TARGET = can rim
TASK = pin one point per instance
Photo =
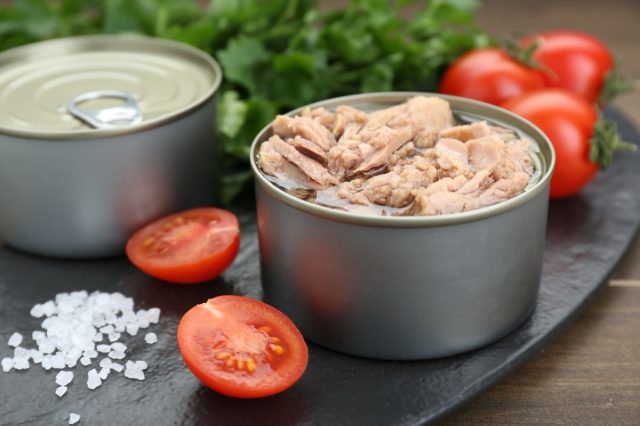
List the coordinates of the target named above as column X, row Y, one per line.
column 80, row 43
column 458, row 104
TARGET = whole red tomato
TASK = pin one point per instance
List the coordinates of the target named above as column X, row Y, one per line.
column 581, row 140
column 572, row 60
column 489, row 75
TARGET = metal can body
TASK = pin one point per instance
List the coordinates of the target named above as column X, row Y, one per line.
column 84, row 198
column 404, row 288
column 106, row 134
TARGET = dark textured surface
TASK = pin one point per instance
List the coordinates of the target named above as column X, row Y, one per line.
column 586, row 237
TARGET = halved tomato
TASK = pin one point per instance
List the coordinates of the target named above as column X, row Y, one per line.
column 242, row 347
column 187, row 247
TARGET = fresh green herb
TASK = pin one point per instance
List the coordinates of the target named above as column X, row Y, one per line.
column 276, row 55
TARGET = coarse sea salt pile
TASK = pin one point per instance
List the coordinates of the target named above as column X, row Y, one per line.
column 79, row 327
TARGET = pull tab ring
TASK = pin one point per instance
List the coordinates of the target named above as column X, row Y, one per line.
column 125, row 114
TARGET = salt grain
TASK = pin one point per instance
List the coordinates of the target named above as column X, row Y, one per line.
column 117, row 367
column 15, row 339
column 133, row 371
column 20, row 363
column 90, row 354
column 150, row 338
column 85, row 361
column 153, row 315
column 49, row 308
column 46, row 346
column 36, row 356
column 37, row 335
column 103, row 348
column 132, row 329
column 57, row 361
column 74, row 418
column 21, row 353
column 93, row 379
column 116, row 355
column 37, row 311
column 61, row 390
column 105, row 363
column 63, row 378
column 46, row 362
column 7, row 364
column 104, row 373
column 107, row 329
column 119, row 347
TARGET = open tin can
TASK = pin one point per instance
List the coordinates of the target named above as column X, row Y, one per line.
column 100, row 135
column 405, row 287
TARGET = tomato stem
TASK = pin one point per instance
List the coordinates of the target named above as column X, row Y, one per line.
column 614, row 85
column 606, row 142
column 525, row 55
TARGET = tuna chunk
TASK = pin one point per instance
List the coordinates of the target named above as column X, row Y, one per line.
column 313, row 170
column 392, row 189
column 442, row 202
column 309, row 149
column 446, row 184
column 486, row 153
column 348, row 121
column 384, row 141
column 501, row 190
column 452, row 157
column 476, row 130
column 386, row 131
column 455, row 196
column 321, row 116
column 424, row 113
column 504, row 158
column 425, row 138
column 517, row 158
column 308, row 128
column 272, row 163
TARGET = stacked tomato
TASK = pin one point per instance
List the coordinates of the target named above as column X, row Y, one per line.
column 555, row 86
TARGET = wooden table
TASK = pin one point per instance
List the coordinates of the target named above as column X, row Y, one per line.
column 590, row 374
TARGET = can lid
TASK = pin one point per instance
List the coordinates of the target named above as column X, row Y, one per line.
column 96, row 86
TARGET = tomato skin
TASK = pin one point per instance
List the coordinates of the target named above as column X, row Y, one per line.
column 489, row 75
column 568, row 121
column 575, row 61
column 236, row 318
column 201, row 244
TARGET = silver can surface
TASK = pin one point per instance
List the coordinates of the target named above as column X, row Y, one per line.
column 100, row 135
column 405, row 287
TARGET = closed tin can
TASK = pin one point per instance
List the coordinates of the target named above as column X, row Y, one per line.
column 100, row 135
column 405, row 287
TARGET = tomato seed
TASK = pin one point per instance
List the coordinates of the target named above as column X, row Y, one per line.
column 279, row 350
column 251, row 365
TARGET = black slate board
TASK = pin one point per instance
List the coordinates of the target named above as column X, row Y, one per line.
column 587, row 236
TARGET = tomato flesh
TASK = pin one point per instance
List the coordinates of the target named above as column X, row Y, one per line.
column 242, row 347
column 187, row 247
